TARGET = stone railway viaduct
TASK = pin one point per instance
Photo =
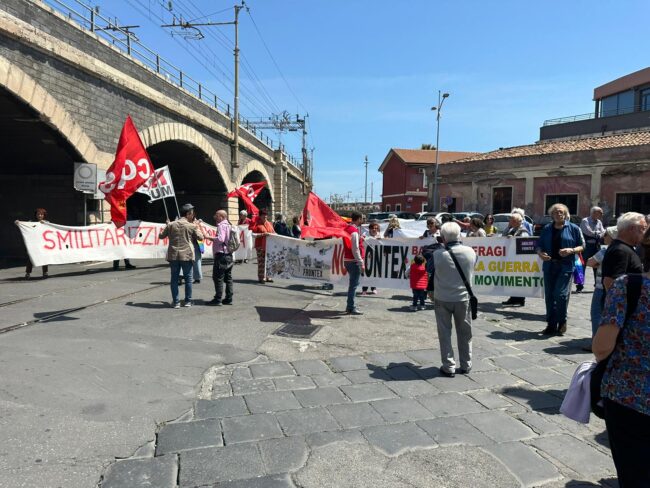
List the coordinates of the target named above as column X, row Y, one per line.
column 64, row 95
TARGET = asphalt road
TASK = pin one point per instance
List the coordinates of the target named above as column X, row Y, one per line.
column 91, row 383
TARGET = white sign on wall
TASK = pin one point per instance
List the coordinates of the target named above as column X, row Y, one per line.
column 85, row 177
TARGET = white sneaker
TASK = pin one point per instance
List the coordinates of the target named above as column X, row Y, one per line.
column 188, row 303
column 421, row 307
column 374, row 292
column 176, row 304
column 413, row 308
column 364, row 293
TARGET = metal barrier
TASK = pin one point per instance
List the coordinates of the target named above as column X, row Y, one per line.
column 87, row 18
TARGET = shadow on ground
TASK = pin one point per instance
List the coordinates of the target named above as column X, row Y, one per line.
column 295, row 315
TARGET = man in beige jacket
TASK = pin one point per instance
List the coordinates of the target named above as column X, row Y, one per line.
column 180, row 252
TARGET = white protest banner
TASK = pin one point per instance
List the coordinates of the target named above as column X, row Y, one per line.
column 49, row 243
column 159, row 185
column 507, row 266
column 504, row 266
column 246, row 248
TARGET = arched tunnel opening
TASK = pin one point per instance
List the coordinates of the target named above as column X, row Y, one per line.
column 195, row 178
column 264, row 199
column 36, row 170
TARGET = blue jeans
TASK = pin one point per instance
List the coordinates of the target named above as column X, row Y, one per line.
column 354, row 273
column 176, row 267
column 557, row 287
column 596, row 309
column 198, row 272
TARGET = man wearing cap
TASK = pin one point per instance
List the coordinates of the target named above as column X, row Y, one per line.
column 262, row 227
column 180, row 252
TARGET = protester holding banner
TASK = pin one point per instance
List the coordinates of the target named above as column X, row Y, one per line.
column 558, row 244
column 432, row 230
column 262, row 227
column 516, row 229
column 353, row 260
column 180, row 252
column 243, row 218
column 296, row 231
column 454, row 265
column 476, row 228
column 393, row 223
column 373, row 231
column 39, row 215
column 223, row 262
column 490, row 229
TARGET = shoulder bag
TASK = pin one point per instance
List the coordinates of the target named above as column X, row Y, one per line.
column 473, row 301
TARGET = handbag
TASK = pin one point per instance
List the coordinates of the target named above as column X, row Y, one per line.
column 473, row 301
column 633, row 293
column 579, row 270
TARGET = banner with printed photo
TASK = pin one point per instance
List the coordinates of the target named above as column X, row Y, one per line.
column 49, row 243
column 504, row 266
column 300, row 259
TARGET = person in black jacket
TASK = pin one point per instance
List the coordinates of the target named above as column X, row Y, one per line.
column 280, row 226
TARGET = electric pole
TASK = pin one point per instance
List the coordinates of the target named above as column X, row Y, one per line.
column 371, row 192
column 234, row 162
column 365, row 195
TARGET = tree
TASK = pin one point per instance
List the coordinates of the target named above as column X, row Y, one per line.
column 428, row 147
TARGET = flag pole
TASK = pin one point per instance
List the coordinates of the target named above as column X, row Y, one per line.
column 171, row 183
column 155, row 175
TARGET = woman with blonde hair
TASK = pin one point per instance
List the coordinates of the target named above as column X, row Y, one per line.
column 558, row 244
column 393, row 223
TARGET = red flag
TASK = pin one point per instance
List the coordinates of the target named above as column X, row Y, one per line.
column 248, row 192
column 130, row 169
column 319, row 221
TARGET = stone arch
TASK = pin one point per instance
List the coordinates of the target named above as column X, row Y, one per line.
column 24, row 87
column 254, row 165
column 172, row 131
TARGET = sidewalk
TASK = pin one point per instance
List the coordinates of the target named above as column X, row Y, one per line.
column 361, row 404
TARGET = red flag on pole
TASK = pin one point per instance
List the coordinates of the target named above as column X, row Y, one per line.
column 248, row 192
column 130, row 169
column 319, row 221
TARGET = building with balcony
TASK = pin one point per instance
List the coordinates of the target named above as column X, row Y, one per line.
column 620, row 105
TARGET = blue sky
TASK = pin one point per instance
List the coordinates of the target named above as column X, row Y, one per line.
column 368, row 72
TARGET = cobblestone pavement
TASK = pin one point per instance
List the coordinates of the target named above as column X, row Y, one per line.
column 362, row 404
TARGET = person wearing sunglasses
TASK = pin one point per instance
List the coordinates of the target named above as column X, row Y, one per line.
column 489, row 228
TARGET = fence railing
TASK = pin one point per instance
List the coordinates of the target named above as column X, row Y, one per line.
column 88, row 18
column 591, row 115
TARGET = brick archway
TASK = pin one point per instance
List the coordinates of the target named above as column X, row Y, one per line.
column 164, row 132
column 24, row 87
column 254, row 165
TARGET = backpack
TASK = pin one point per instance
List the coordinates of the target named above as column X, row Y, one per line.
column 633, row 293
column 233, row 240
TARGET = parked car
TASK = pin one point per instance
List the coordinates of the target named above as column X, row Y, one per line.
column 544, row 220
column 383, row 216
column 461, row 215
column 441, row 216
column 379, row 216
column 501, row 221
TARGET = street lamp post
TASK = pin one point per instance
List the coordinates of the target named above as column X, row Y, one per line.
column 437, row 108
